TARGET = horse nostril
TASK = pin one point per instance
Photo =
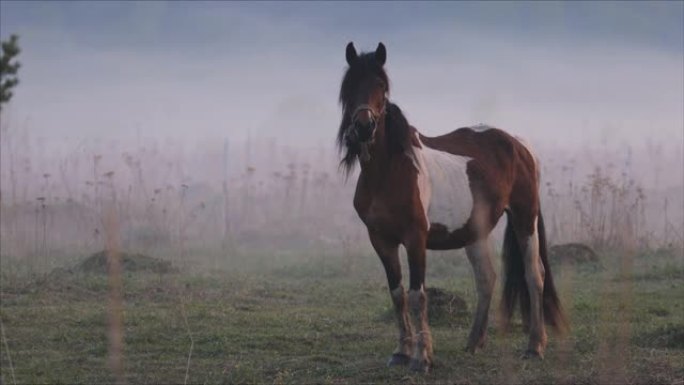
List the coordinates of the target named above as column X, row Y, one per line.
column 365, row 131
column 369, row 124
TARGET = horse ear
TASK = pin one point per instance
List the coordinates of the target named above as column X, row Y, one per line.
column 381, row 54
column 351, row 53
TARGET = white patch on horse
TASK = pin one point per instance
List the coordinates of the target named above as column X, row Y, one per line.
column 532, row 251
column 443, row 186
column 480, row 127
column 533, row 257
column 534, row 230
column 422, row 179
column 398, row 293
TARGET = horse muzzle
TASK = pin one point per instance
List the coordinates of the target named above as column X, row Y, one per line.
column 359, row 138
column 365, row 131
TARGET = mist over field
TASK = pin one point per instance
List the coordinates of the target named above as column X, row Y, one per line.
column 156, row 103
column 205, row 132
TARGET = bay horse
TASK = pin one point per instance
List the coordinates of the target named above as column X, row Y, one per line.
column 441, row 193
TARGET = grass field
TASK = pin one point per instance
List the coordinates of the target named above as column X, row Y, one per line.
column 324, row 319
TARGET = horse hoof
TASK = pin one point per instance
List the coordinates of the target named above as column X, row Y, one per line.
column 531, row 354
column 420, row 366
column 398, row 359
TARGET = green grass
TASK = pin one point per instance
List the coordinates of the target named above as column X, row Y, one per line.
column 322, row 319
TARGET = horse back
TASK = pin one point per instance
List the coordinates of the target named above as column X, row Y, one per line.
column 501, row 172
column 498, row 158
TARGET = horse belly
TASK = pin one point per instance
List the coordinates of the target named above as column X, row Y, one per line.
column 445, row 181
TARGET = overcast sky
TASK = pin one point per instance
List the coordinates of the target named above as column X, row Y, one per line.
column 572, row 72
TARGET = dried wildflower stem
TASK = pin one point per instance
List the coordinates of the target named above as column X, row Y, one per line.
column 111, row 227
column 192, row 341
column 226, row 201
column 9, row 356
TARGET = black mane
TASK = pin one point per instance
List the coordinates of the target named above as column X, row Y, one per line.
column 397, row 129
column 363, row 65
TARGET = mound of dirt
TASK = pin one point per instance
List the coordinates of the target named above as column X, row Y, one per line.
column 444, row 305
column 573, row 253
column 97, row 263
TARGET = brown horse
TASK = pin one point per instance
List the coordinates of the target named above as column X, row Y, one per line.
column 440, row 193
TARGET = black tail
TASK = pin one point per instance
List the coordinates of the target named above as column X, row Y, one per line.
column 515, row 285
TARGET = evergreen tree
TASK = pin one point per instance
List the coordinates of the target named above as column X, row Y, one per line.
column 8, row 70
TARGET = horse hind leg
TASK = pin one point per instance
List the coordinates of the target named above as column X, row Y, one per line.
column 480, row 257
column 528, row 239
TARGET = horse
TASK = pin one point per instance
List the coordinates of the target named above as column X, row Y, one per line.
column 442, row 193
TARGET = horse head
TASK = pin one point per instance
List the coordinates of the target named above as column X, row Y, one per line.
column 363, row 95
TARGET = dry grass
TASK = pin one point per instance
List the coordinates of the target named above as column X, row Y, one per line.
column 287, row 325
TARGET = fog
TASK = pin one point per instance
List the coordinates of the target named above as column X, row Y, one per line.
column 218, row 119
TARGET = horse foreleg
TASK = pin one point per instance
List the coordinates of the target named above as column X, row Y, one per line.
column 402, row 354
column 422, row 353
column 388, row 252
column 479, row 255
